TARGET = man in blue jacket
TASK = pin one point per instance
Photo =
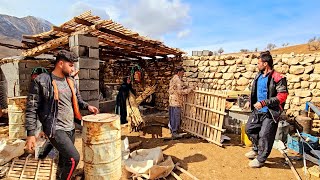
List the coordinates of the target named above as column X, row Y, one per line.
column 268, row 96
column 55, row 99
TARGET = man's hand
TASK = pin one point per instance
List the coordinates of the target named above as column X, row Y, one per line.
column 42, row 135
column 93, row 109
column 247, row 105
column 258, row 105
column 31, row 143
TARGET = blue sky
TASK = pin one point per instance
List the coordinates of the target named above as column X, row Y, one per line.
column 192, row 24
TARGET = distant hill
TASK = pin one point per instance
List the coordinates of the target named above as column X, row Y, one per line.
column 297, row 49
column 12, row 28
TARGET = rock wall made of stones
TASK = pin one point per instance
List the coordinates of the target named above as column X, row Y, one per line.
column 157, row 72
column 237, row 73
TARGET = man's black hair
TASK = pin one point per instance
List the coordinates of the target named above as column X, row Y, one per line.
column 65, row 56
column 179, row 68
column 266, row 57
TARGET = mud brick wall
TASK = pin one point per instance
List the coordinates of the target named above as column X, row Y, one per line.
column 158, row 72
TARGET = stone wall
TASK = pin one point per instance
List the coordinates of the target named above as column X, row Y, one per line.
column 237, row 73
column 17, row 74
column 158, row 72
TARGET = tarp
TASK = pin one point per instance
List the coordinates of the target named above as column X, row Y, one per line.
column 149, row 163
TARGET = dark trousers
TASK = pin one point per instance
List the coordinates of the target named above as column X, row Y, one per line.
column 68, row 155
column 174, row 118
column 261, row 130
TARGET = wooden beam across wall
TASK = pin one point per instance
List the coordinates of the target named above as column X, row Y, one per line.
column 140, row 51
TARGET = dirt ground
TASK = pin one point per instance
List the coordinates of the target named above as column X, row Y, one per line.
column 208, row 161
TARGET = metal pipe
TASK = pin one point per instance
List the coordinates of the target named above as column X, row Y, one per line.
column 313, row 107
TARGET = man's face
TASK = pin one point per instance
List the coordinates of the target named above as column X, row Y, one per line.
column 67, row 68
column 180, row 74
column 262, row 65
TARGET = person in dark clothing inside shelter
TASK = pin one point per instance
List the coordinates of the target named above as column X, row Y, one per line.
column 55, row 99
column 268, row 96
column 122, row 97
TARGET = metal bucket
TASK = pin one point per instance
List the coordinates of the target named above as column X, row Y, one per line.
column 101, row 136
column 17, row 116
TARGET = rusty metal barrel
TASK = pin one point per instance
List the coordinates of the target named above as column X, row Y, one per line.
column 101, row 136
column 17, row 117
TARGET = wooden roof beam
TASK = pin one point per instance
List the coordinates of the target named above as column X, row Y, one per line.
column 126, row 37
column 125, row 52
column 143, row 51
column 64, row 30
column 54, row 43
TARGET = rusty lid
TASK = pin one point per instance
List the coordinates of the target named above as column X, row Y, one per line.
column 103, row 117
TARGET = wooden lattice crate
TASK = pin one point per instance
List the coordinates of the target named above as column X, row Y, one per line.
column 30, row 168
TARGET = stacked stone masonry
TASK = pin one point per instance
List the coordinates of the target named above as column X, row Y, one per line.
column 237, row 72
column 156, row 72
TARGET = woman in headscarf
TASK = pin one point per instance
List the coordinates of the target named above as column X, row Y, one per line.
column 121, row 106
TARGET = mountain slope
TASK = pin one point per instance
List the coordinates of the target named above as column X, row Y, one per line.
column 15, row 27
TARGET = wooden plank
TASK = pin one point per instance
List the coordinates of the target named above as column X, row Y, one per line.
column 184, row 113
column 200, row 125
column 153, row 44
column 205, row 138
column 11, row 167
column 52, row 172
column 216, row 101
column 190, row 99
column 210, row 93
column 211, row 116
column 37, row 171
column 197, row 102
column 25, row 164
column 222, row 108
column 207, row 124
column 212, row 110
column 54, row 43
column 203, row 117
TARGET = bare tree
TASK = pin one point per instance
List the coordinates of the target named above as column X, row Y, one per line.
column 285, row 44
column 244, row 50
column 220, row 51
column 314, row 43
column 271, row 46
column 255, row 49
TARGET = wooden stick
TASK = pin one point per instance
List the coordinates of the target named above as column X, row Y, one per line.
column 38, row 169
column 24, row 166
column 175, row 175
column 290, row 164
column 186, row 172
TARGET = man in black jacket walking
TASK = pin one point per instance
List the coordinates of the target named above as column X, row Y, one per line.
column 268, row 95
column 55, row 99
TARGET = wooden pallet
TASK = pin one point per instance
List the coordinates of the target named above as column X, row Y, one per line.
column 203, row 114
column 30, row 168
